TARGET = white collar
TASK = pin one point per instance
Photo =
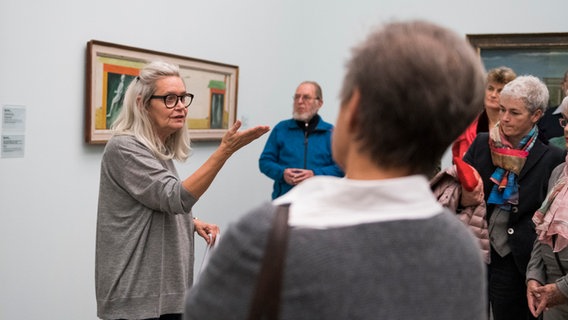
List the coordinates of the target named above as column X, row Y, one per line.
column 326, row 202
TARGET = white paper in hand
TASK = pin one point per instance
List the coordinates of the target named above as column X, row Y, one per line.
column 208, row 251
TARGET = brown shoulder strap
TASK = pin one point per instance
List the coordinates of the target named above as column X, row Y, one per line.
column 266, row 299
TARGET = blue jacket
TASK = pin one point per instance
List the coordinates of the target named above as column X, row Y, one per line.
column 288, row 146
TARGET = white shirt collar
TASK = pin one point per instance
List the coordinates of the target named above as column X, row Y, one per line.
column 327, row 202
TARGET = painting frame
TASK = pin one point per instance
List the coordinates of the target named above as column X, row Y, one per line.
column 544, row 55
column 110, row 67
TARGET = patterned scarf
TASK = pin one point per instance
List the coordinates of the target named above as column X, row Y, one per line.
column 552, row 217
column 509, row 162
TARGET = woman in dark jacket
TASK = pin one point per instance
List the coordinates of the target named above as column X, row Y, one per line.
column 515, row 167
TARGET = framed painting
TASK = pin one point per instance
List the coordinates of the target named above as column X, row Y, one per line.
column 111, row 67
column 544, row 55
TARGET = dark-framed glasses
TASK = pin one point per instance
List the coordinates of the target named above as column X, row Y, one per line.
column 304, row 97
column 563, row 122
column 171, row 100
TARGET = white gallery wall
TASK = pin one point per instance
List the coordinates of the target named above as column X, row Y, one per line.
column 48, row 197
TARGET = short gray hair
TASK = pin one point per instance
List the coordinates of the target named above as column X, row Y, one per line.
column 420, row 86
column 529, row 89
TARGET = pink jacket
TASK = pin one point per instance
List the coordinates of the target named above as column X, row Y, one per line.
column 447, row 189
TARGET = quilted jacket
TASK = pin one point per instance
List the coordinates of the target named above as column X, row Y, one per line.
column 469, row 206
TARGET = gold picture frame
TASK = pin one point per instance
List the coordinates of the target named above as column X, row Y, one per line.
column 111, row 67
column 544, row 55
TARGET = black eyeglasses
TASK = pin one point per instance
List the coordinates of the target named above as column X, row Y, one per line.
column 563, row 122
column 171, row 100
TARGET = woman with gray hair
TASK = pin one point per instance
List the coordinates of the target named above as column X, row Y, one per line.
column 514, row 166
column 547, row 281
column 375, row 244
column 144, row 248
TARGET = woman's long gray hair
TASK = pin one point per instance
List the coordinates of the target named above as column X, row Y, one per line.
column 134, row 120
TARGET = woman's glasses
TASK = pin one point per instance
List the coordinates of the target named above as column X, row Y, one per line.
column 171, row 100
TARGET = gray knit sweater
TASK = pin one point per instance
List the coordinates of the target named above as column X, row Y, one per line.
column 543, row 266
column 144, row 248
column 402, row 269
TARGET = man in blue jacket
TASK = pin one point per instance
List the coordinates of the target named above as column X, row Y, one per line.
column 299, row 148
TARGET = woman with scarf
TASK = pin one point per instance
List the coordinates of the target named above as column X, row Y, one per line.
column 497, row 78
column 547, row 282
column 515, row 167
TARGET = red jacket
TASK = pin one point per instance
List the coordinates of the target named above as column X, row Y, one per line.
column 464, row 140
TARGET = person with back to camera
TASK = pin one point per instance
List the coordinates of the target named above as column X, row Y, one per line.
column 514, row 166
column 145, row 229
column 549, row 123
column 497, row 78
column 547, row 281
column 375, row 244
column 299, row 148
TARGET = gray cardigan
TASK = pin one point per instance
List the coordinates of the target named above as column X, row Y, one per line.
column 144, row 246
column 543, row 266
column 403, row 269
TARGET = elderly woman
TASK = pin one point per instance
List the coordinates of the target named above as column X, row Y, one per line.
column 547, row 282
column 144, row 247
column 514, row 166
column 368, row 246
